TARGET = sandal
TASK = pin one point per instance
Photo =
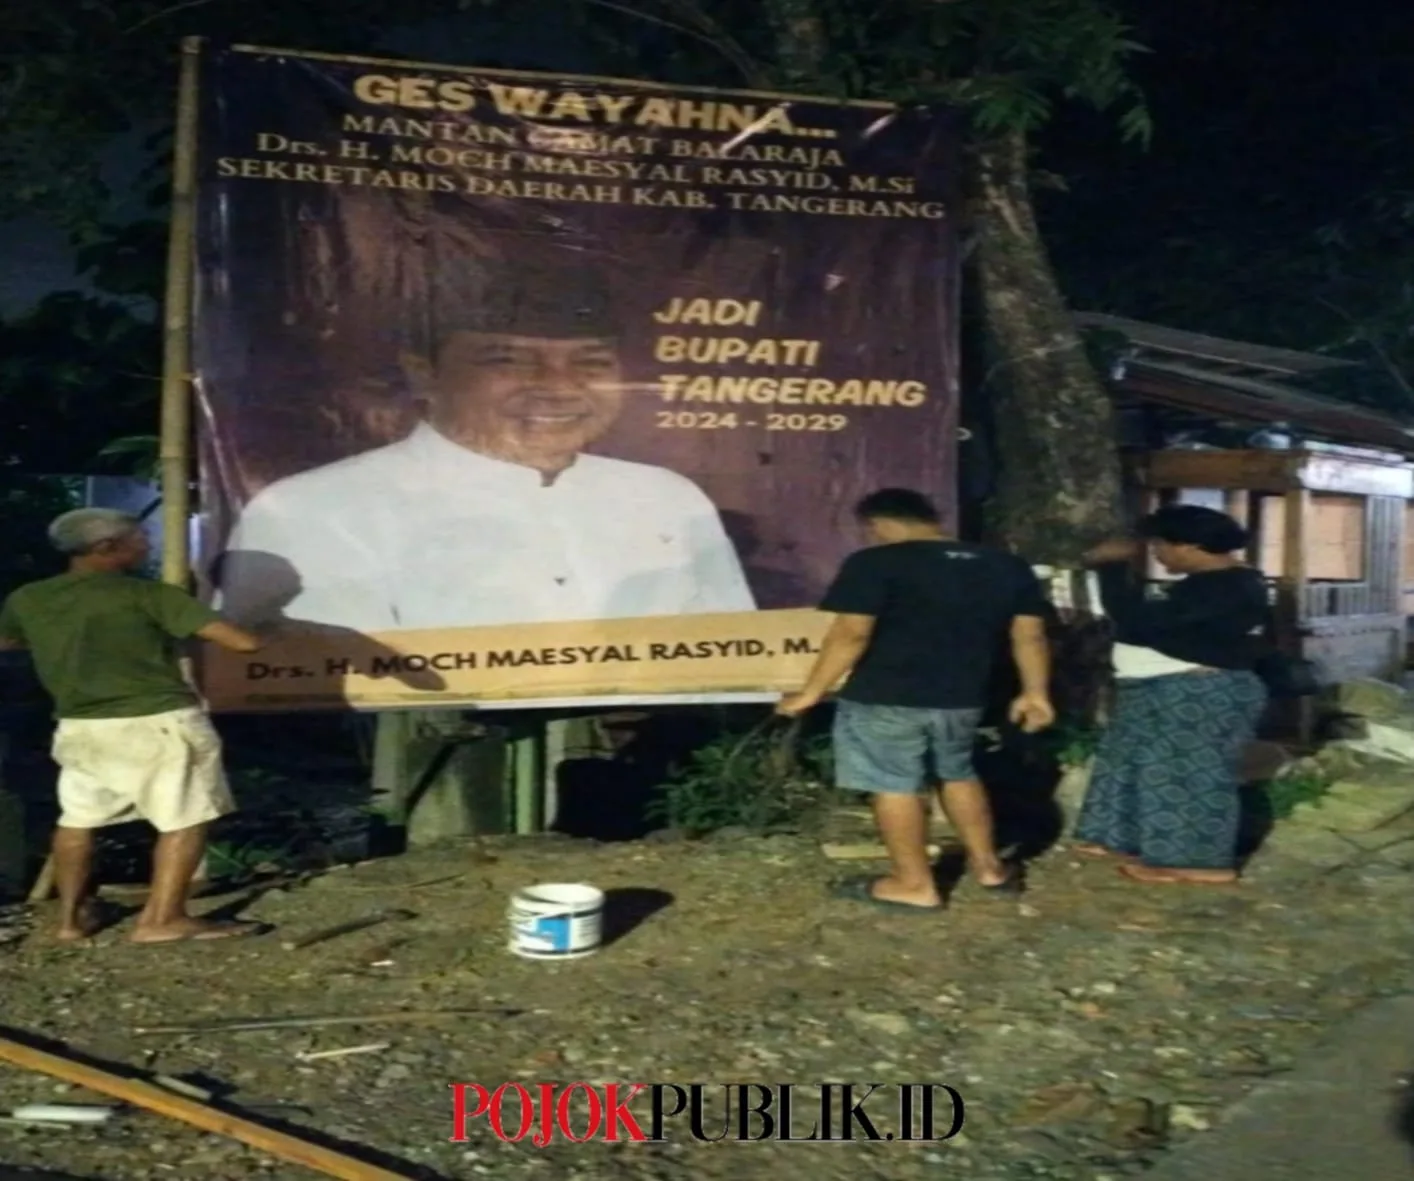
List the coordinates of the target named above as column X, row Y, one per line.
column 222, row 930
column 1011, row 886
column 862, row 890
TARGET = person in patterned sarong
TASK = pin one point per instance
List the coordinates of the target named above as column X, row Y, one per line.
column 1163, row 795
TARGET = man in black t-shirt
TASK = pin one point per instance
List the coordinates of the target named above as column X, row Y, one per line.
column 918, row 618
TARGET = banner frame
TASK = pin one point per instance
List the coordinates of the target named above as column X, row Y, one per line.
column 188, row 144
column 540, row 75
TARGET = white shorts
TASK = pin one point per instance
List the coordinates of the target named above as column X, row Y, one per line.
column 163, row 768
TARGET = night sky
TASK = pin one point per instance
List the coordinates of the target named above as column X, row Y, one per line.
column 1273, row 119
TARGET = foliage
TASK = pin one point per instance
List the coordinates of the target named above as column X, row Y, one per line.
column 75, row 372
column 1303, row 783
column 1005, row 61
column 1284, row 220
column 749, row 781
column 27, row 504
column 233, row 863
column 138, row 455
column 1074, row 741
column 73, row 77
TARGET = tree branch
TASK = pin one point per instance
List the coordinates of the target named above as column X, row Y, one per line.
column 163, row 14
column 727, row 45
column 708, row 32
column 1363, row 333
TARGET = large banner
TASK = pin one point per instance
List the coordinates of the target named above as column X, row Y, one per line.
column 522, row 389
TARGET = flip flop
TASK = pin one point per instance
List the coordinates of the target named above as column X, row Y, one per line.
column 859, row 890
column 228, row 930
column 1012, row 886
column 1135, row 872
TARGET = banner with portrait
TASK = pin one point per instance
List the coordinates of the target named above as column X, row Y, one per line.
column 519, row 390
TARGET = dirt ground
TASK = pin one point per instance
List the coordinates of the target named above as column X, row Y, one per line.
column 1087, row 1025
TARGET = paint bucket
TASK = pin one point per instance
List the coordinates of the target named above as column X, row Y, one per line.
column 556, row 922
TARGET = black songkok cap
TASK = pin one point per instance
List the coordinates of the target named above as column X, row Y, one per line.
column 557, row 300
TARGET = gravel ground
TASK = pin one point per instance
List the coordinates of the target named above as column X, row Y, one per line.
column 1087, row 1026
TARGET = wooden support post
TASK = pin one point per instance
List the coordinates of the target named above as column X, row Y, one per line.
column 528, row 777
column 1256, row 529
column 1296, row 506
column 1153, row 501
column 557, row 743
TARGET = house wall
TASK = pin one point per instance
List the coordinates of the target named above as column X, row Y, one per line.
column 1408, row 563
column 1336, row 532
column 1359, row 569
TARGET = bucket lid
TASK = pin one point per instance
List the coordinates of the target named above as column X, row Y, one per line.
column 563, row 894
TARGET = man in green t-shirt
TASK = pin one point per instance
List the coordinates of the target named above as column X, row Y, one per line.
column 133, row 740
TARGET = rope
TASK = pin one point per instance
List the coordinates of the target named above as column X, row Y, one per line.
column 784, row 753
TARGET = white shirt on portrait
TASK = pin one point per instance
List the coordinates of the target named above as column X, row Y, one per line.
column 424, row 533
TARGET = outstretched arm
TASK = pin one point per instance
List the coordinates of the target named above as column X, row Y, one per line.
column 232, row 638
column 844, row 644
column 1140, row 620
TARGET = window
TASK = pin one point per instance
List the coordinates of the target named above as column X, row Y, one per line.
column 1336, row 540
column 1409, row 545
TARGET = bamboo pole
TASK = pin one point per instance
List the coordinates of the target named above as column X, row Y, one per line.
column 175, row 428
column 43, row 886
column 200, row 1115
column 175, row 449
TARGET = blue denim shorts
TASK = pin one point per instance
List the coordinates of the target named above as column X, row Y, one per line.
column 896, row 749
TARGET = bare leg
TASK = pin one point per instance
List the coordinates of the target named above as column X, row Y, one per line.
column 903, row 825
column 73, row 872
column 965, row 803
column 165, row 919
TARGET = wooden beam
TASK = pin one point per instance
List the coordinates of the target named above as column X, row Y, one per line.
column 1329, row 473
column 1263, row 471
column 199, row 1115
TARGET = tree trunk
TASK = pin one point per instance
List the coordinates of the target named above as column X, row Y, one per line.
column 1059, row 490
column 1059, row 487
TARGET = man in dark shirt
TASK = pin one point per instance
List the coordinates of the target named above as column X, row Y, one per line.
column 918, row 619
